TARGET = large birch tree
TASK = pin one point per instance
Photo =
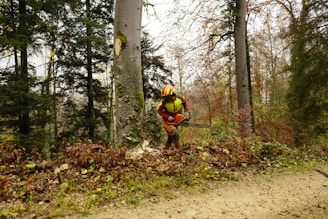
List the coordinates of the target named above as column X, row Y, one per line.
column 129, row 98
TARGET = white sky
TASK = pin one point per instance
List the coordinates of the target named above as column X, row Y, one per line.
column 153, row 18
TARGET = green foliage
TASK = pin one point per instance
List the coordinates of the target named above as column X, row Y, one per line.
column 63, row 188
column 272, row 149
column 273, row 123
column 308, row 92
column 4, row 213
column 31, row 165
column 46, row 110
column 30, row 103
column 81, row 58
column 155, row 73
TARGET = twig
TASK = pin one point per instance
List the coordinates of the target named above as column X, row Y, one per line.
column 322, row 172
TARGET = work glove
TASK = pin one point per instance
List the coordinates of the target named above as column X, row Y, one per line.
column 187, row 115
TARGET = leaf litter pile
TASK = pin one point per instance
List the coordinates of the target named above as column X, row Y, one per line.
column 104, row 174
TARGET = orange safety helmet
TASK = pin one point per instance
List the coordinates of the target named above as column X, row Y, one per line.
column 167, row 90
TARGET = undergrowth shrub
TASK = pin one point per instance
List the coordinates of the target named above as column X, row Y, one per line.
column 273, row 149
column 272, row 124
column 243, row 117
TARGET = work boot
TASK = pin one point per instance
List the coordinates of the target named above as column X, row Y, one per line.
column 168, row 143
column 176, row 138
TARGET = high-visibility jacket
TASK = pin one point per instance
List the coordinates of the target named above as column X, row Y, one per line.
column 171, row 108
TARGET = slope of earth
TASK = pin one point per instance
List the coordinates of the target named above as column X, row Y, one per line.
column 285, row 194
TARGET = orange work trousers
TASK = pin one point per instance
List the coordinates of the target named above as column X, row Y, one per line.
column 169, row 128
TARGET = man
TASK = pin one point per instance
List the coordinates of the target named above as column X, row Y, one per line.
column 169, row 107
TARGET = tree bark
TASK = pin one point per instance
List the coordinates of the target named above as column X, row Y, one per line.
column 91, row 111
column 129, row 98
column 240, row 54
column 24, row 118
column 243, row 92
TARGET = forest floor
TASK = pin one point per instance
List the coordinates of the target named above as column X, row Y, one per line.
column 281, row 194
column 201, row 181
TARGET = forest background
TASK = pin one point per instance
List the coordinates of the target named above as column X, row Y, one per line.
column 57, row 79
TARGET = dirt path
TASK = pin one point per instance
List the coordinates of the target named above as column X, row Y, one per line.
column 281, row 195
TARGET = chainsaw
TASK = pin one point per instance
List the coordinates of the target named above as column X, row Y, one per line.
column 180, row 119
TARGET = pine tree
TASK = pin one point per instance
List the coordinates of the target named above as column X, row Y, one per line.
column 20, row 102
column 82, row 54
column 308, row 92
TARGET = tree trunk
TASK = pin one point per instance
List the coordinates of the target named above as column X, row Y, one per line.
column 129, row 98
column 24, row 118
column 90, row 111
column 248, row 58
column 241, row 61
